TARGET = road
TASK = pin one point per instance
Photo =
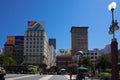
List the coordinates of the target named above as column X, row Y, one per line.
column 39, row 77
column 34, row 77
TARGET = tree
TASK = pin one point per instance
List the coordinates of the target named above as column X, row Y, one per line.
column 12, row 62
column 7, row 61
column 103, row 62
column 86, row 61
column 42, row 58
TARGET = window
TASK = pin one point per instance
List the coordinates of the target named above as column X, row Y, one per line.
column 95, row 53
column 38, row 34
column 87, row 53
column 34, row 34
column 41, row 50
column 37, row 50
column 30, row 46
column 91, row 53
column 37, row 46
column 41, row 38
column 95, row 57
column 26, row 46
column 37, row 38
column 33, row 50
column 92, row 57
column 33, row 46
column 30, row 50
column 33, row 42
column 30, row 42
column 41, row 42
column 26, row 42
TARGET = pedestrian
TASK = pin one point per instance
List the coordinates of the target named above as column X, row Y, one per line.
column 70, row 73
column 79, row 76
column 40, row 71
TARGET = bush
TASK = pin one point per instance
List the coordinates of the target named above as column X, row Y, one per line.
column 31, row 69
column 104, row 75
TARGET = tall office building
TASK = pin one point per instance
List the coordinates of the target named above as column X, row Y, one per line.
column 52, row 41
column 18, row 50
column 8, row 46
column 79, row 39
column 35, row 44
column 52, row 47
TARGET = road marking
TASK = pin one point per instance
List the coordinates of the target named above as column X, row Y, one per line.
column 46, row 77
column 19, row 77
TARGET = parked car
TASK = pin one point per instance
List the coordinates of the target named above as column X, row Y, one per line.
column 2, row 70
column 2, row 73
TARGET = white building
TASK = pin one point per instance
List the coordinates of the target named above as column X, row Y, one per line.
column 35, row 44
column 51, row 56
column 64, row 52
column 93, row 54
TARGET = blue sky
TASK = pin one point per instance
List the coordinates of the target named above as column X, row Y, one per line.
column 59, row 16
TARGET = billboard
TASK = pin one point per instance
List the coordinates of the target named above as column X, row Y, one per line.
column 33, row 25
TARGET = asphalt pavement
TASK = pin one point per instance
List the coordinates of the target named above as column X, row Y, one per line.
column 41, row 77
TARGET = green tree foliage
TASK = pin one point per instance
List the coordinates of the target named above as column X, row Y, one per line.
column 32, row 69
column 103, row 62
column 119, row 59
column 86, row 61
column 42, row 58
column 7, row 61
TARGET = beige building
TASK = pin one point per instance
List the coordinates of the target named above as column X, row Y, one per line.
column 35, row 45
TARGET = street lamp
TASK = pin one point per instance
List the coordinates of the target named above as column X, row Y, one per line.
column 114, row 45
column 79, row 53
column 114, row 26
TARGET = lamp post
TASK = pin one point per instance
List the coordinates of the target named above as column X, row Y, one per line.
column 79, row 53
column 114, row 45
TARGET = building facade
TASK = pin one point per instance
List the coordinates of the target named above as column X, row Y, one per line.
column 64, row 58
column 51, row 56
column 14, row 47
column 35, row 44
column 18, row 50
column 62, row 61
column 8, row 46
column 92, row 54
column 79, row 39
